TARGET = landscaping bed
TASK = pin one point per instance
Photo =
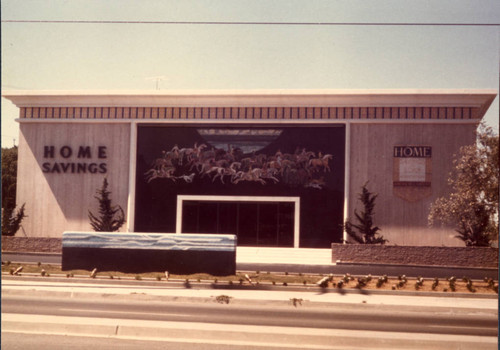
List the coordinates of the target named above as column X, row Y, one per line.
column 452, row 284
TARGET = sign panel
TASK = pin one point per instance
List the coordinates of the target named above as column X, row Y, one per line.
column 412, row 172
column 75, row 160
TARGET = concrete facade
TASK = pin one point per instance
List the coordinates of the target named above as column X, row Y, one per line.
column 98, row 130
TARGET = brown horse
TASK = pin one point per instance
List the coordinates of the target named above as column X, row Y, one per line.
column 321, row 162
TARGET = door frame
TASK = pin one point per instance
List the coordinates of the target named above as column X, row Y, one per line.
column 296, row 200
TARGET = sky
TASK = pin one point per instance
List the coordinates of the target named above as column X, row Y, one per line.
column 259, row 44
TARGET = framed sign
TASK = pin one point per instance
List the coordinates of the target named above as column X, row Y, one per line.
column 412, row 172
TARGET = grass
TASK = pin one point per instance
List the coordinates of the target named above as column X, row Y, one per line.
column 283, row 279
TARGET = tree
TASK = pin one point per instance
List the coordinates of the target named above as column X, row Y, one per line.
column 11, row 222
column 367, row 234
column 9, row 177
column 106, row 221
column 472, row 206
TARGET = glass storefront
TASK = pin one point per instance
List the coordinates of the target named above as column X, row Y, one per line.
column 305, row 162
column 254, row 223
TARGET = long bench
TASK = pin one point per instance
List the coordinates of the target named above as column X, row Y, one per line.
column 214, row 254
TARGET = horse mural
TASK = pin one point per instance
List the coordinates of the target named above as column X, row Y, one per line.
column 301, row 168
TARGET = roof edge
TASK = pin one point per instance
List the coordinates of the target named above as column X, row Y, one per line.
column 474, row 98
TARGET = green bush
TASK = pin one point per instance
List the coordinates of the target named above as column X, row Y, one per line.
column 366, row 232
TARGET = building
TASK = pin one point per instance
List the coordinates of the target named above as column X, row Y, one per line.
column 279, row 168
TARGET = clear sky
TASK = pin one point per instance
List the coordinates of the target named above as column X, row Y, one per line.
column 316, row 54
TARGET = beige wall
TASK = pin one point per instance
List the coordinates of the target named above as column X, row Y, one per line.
column 403, row 222
column 56, row 202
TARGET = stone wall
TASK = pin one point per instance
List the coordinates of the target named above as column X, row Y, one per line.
column 416, row 255
column 31, row 244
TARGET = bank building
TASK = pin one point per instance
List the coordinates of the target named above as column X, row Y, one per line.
column 280, row 169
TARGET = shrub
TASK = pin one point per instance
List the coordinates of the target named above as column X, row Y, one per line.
column 366, row 232
column 470, row 287
column 451, row 281
column 435, row 283
column 419, row 283
column 361, row 283
column 106, row 222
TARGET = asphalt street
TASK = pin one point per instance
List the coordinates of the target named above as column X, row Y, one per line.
column 138, row 316
column 338, row 317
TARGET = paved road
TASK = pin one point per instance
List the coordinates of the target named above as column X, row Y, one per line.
column 125, row 315
column 338, row 317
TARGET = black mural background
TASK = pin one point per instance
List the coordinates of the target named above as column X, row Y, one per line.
column 321, row 207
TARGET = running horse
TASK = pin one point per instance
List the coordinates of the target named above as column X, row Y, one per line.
column 321, row 162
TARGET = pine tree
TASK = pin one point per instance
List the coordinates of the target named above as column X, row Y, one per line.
column 367, row 234
column 106, row 221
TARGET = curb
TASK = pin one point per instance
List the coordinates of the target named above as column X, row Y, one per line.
column 32, row 253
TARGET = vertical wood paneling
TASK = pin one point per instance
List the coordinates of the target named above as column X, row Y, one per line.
column 280, row 112
column 404, row 223
column 68, row 197
column 473, row 113
column 251, row 113
column 301, row 112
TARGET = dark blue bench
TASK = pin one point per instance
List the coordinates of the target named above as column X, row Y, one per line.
column 142, row 252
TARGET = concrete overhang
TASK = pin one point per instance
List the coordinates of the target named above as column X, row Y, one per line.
column 473, row 98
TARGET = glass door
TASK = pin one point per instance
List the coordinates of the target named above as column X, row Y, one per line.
column 266, row 224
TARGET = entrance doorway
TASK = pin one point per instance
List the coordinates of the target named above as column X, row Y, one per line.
column 256, row 221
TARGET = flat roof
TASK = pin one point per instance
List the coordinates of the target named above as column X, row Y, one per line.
column 474, row 98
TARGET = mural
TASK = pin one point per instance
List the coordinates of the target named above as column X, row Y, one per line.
column 240, row 161
column 211, row 160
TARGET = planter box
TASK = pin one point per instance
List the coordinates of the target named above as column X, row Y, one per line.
column 31, row 244
column 480, row 257
column 142, row 252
